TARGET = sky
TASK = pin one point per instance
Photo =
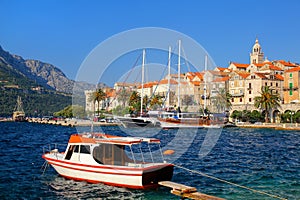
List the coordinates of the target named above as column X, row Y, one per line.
column 65, row 32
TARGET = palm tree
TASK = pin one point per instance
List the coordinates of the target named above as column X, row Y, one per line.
column 123, row 96
column 98, row 96
column 156, row 101
column 266, row 101
column 135, row 100
column 222, row 100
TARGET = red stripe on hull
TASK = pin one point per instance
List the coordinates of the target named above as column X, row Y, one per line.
column 93, row 171
column 103, row 167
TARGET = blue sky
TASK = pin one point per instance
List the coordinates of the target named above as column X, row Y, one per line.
column 63, row 33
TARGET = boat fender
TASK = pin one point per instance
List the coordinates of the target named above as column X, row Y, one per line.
column 169, row 152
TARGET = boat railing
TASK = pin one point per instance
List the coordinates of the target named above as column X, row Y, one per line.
column 54, row 148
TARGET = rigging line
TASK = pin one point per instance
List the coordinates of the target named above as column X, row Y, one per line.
column 166, row 66
column 133, row 66
column 185, row 59
column 231, row 183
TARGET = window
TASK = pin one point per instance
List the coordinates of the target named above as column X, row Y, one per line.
column 249, row 91
column 241, row 99
column 266, row 84
column 291, row 75
column 250, row 99
column 232, row 99
column 276, row 84
column 291, row 88
column 249, row 85
column 85, row 149
column 271, row 84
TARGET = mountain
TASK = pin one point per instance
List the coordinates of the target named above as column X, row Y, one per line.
column 44, row 88
column 43, row 74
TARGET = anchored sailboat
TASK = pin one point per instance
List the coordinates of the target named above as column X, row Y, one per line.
column 177, row 119
column 142, row 120
column 19, row 114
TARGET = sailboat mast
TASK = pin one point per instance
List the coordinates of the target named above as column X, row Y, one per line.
column 179, row 49
column 205, row 96
column 142, row 92
column 169, row 76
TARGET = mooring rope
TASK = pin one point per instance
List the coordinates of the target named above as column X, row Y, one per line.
column 228, row 182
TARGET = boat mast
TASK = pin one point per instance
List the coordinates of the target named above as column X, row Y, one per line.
column 205, row 76
column 169, row 76
column 179, row 48
column 142, row 92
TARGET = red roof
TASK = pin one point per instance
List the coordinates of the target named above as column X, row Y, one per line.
column 261, row 75
column 165, row 81
column 243, row 74
column 221, row 79
column 272, row 67
column 293, row 69
column 221, row 68
column 196, row 83
column 279, row 77
column 288, row 64
column 240, row 65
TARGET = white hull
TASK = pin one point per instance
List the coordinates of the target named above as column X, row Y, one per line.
column 121, row 176
column 183, row 125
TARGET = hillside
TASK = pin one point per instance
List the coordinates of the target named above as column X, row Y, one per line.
column 43, row 74
column 44, row 88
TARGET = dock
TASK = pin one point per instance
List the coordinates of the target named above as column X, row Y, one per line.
column 186, row 191
column 72, row 123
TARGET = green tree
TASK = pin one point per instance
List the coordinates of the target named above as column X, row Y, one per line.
column 222, row 100
column 236, row 115
column 71, row 111
column 156, row 101
column 135, row 100
column 123, row 96
column 267, row 101
column 255, row 116
column 98, row 96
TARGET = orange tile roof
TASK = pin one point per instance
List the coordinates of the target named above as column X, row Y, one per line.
column 288, row 64
column 295, row 69
column 279, row 77
column 110, row 93
column 261, row 75
column 165, row 81
column 240, row 65
column 273, row 67
column 243, row 74
column 221, row 68
column 196, row 83
column 148, row 85
column 221, row 79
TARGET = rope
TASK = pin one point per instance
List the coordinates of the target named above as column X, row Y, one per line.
column 231, row 183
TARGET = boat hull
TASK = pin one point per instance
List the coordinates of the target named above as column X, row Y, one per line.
column 121, row 176
column 139, row 122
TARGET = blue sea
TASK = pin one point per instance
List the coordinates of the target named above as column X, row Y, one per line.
column 265, row 160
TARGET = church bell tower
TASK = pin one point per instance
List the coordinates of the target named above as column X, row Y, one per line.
column 256, row 56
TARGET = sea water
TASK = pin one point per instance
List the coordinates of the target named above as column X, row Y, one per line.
column 262, row 159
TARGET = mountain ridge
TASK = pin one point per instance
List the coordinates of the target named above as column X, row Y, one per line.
column 44, row 74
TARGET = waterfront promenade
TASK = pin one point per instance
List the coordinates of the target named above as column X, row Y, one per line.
column 76, row 122
column 72, row 123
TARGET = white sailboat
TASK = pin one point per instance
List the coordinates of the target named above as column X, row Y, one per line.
column 142, row 120
column 185, row 120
